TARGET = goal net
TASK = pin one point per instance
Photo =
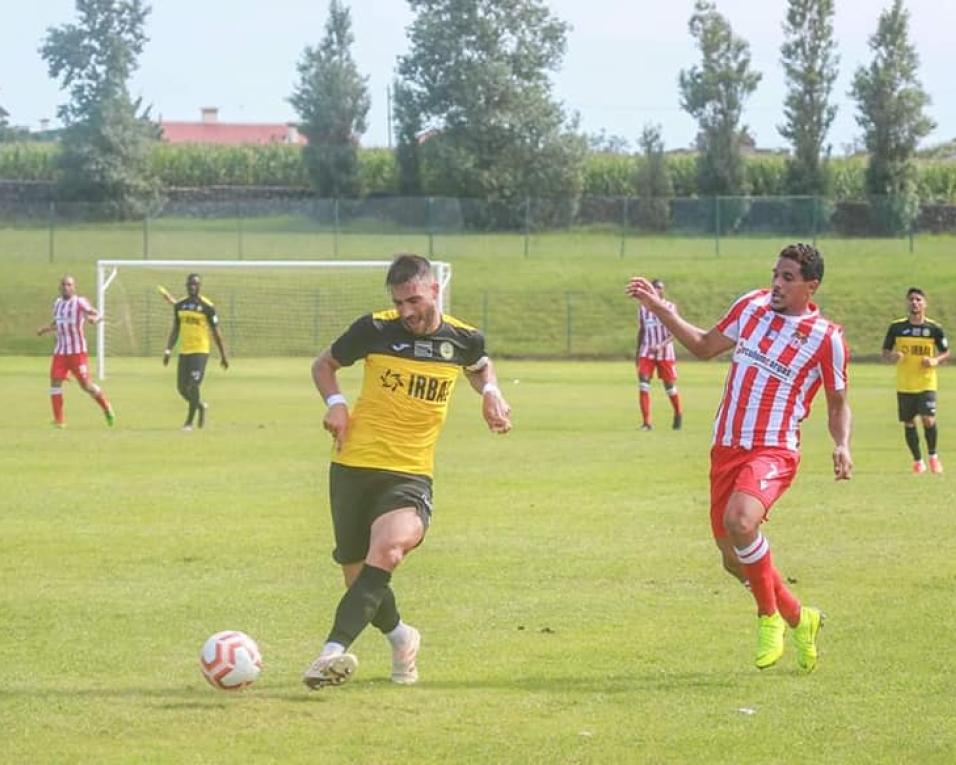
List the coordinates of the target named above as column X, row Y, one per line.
column 266, row 308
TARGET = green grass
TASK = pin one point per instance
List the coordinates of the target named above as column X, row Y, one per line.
column 572, row 604
column 565, row 298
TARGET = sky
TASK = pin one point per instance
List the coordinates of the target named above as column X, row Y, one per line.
column 619, row 73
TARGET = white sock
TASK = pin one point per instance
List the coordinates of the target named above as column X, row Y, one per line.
column 332, row 649
column 399, row 635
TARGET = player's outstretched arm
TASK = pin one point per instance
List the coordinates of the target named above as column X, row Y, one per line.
column 46, row 328
column 838, row 422
column 336, row 420
column 494, row 408
column 704, row 344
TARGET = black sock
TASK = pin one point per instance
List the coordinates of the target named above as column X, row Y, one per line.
column 359, row 605
column 193, row 403
column 912, row 441
column 386, row 618
column 930, row 434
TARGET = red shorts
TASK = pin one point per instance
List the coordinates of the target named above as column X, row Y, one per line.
column 762, row 473
column 64, row 363
column 666, row 370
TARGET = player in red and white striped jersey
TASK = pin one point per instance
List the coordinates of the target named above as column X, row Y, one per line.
column 70, row 312
column 655, row 351
column 783, row 352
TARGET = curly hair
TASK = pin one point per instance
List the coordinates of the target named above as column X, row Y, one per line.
column 809, row 258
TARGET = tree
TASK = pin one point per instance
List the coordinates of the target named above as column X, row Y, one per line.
column 890, row 102
column 653, row 181
column 477, row 75
column 107, row 135
column 810, row 62
column 332, row 100
column 713, row 93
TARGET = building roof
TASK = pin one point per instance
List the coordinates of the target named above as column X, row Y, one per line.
column 230, row 133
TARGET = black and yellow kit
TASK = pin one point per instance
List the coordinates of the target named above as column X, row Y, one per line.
column 915, row 342
column 194, row 317
column 408, row 382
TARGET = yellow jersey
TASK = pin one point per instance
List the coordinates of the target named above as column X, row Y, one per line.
column 195, row 318
column 915, row 342
column 407, row 383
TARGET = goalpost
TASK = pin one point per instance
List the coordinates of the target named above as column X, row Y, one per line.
column 265, row 307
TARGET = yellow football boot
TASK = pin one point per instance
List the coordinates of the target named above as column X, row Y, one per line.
column 770, row 631
column 804, row 637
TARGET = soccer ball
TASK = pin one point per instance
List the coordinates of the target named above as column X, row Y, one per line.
column 230, row 660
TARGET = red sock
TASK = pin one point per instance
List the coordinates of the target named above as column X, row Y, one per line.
column 675, row 402
column 645, row 398
column 789, row 606
column 56, row 398
column 757, row 565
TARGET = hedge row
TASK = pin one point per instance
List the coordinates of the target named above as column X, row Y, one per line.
column 184, row 165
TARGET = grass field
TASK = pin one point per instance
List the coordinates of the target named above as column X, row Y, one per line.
column 572, row 605
column 571, row 283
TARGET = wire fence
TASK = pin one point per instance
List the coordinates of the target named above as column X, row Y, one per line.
column 222, row 224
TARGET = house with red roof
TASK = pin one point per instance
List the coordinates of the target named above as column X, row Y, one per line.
column 210, row 130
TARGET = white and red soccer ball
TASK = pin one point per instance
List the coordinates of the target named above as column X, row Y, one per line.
column 230, row 660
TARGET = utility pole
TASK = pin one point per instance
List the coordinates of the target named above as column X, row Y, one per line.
column 388, row 116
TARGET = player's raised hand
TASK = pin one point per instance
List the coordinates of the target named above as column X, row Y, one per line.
column 336, row 422
column 496, row 411
column 640, row 288
column 842, row 464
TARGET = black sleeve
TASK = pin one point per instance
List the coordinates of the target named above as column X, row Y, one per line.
column 942, row 344
column 889, row 340
column 475, row 350
column 356, row 342
column 211, row 316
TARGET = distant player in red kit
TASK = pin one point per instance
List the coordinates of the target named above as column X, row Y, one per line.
column 70, row 312
column 783, row 352
column 655, row 351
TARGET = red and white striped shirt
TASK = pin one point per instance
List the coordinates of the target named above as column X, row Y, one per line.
column 656, row 336
column 777, row 367
column 69, row 315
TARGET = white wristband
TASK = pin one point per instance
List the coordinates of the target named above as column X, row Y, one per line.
column 336, row 398
column 490, row 387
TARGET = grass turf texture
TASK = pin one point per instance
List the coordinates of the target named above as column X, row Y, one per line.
column 572, row 605
column 571, row 285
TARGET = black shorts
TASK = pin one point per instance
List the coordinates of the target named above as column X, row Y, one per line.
column 360, row 495
column 191, row 369
column 911, row 405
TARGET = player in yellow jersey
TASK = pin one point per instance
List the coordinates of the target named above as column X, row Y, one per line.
column 194, row 318
column 380, row 479
column 917, row 345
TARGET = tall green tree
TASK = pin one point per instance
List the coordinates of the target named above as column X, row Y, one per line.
column 477, row 76
column 810, row 63
column 713, row 93
column 332, row 100
column 890, row 103
column 653, row 181
column 107, row 135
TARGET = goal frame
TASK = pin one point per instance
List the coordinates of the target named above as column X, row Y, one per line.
column 106, row 271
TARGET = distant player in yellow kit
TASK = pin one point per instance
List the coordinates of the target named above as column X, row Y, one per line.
column 917, row 345
column 194, row 319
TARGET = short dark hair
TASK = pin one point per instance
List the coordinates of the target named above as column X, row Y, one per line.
column 406, row 267
column 915, row 290
column 809, row 258
column 197, row 277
